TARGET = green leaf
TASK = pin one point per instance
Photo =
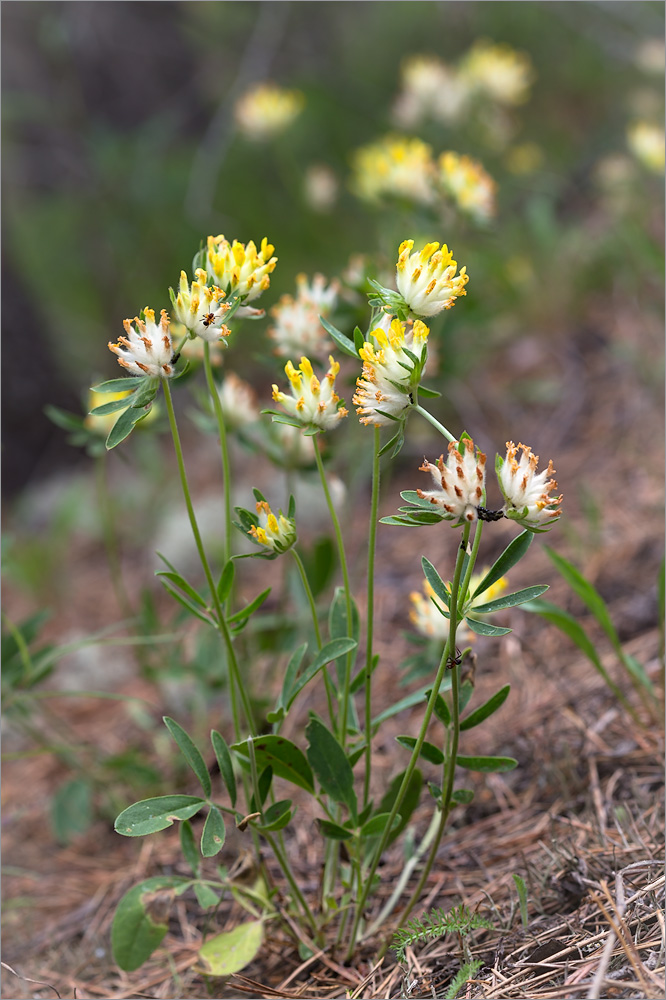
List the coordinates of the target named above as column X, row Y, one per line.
column 487, row 764
column 226, row 581
column 416, row 520
column 124, row 426
column 151, row 815
column 206, row 897
column 333, row 831
column 249, row 609
column 510, row 600
column 441, row 710
column 407, row 702
column 376, row 825
column 181, row 582
column 338, row 627
column 463, row 796
column 512, row 554
column 284, row 757
column 464, row 694
column 213, row 833
column 332, row 649
column 484, row 628
column 276, row 816
column 428, row 751
column 408, row 804
column 116, row 404
column 224, row 763
column 290, row 674
column 188, row 846
column 428, row 393
column 488, row 707
column 188, row 604
column 141, row 920
column 588, row 594
column 435, row 581
column 71, row 809
column 118, row 385
column 330, row 765
column 230, row 952
column 344, row 343
column 190, row 752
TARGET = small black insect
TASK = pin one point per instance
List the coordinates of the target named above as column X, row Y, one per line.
column 454, row 661
column 174, row 358
column 489, row 515
column 208, row 319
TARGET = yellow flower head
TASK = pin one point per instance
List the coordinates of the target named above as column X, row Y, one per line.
column 297, row 328
column 472, row 189
column 275, row 532
column 498, row 71
column 397, row 167
column 266, row 110
column 646, row 142
column 240, row 269
column 427, row 278
column 312, row 402
column 200, row 308
column 389, row 373
column 430, row 89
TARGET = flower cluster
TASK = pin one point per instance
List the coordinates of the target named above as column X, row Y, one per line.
column 266, row 110
column 526, row 492
column 275, row 532
column 395, row 167
column 473, row 190
column 497, row 72
column 646, row 142
column 238, row 402
column 390, row 373
column 313, row 403
column 147, row 348
column 427, row 279
column 238, row 269
column 200, row 308
column 459, row 482
column 297, row 329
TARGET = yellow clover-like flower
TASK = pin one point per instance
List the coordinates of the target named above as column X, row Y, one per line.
column 526, row 491
column 427, row 279
column 397, row 167
column 266, row 110
column 459, row 483
column 498, row 71
column 147, row 349
column 275, row 532
column 646, row 142
column 200, row 308
column 389, row 373
column 465, row 180
column 313, row 403
column 240, row 269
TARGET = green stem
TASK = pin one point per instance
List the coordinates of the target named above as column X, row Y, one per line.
column 344, row 706
column 449, row 650
column 317, row 631
column 435, row 423
column 372, row 544
column 224, row 448
column 222, row 624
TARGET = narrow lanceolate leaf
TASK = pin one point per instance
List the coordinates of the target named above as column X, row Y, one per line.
column 408, row 702
column 290, row 674
column 124, row 426
column 330, row 764
column 141, row 920
column 249, row 609
column 189, row 847
column 181, row 582
column 213, row 833
column 332, row 650
column 488, row 707
column 344, row 343
column 117, row 404
column 428, row 750
column 333, row 831
column 435, row 581
column 187, row 603
column 487, row 763
column 514, row 551
column 276, row 816
column 511, row 600
column 224, row 763
column 118, row 385
column 283, row 756
column 226, row 581
column 484, row 628
column 441, row 710
column 230, row 952
column 151, row 815
column 376, row 825
column 190, row 752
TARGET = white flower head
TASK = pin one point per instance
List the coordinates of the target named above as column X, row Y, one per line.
column 396, row 167
column 266, row 110
column 320, row 187
column 430, row 89
column 459, row 484
column 427, row 278
column 526, row 491
column 390, row 373
column 276, row 532
column 313, row 403
column 498, row 71
column 147, row 349
column 200, row 308
column 239, row 269
column 472, row 189
column 297, row 329
column 238, row 402
column 646, row 142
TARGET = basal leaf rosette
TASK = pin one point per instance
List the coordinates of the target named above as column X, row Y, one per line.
column 313, row 402
column 394, row 359
column 200, row 308
column 526, row 492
